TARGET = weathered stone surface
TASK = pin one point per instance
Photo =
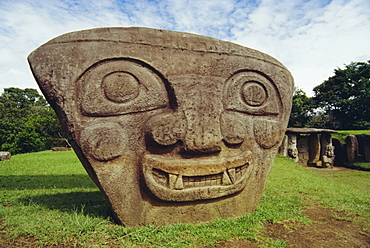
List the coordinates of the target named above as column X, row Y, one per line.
column 303, row 150
column 314, row 148
column 283, row 149
column 172, row 127
column 351, row 148
column 5, row 155
column 366, row 145
column 327, row 151
column 309, row 130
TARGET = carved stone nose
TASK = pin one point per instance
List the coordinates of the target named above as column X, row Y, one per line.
column 203, row 134
column 197, row 119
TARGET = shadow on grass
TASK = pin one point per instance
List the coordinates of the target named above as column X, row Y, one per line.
column 90, row 203
column 80, row 194
column 15, row 182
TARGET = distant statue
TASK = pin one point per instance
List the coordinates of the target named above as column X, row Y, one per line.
column 328, row 157
column 172, row 127
column 292, row 147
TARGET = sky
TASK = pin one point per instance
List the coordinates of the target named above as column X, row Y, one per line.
column 311, row 38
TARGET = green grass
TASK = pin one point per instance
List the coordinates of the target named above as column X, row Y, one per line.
column 342, row 134
column 49, row 196
column 355, row 132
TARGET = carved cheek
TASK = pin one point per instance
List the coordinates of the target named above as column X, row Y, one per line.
column 104, row 141
column 257, row 96
column 268, row 133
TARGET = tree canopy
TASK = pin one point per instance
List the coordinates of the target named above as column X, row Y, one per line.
column 345, row 97
column 340, row 102
column 301, row 109
column 27, row 122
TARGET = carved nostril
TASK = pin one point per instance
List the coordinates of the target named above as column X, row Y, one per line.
column 233, row 130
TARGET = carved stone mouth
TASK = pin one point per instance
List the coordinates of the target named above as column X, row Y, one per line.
column 181, row 179
column 173, row 181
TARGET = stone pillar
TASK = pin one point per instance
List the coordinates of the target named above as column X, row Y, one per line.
column 303, row 150
column 283, row 149
column 367, row 147
column 351, row 148
column 314, row 148
column 327, row 151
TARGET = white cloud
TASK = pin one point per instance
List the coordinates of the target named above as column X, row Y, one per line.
column 311, row 38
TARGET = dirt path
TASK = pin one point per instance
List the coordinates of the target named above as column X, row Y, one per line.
column 326, row 231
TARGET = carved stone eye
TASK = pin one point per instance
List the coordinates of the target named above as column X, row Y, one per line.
column 254, row 94
column 121, row 87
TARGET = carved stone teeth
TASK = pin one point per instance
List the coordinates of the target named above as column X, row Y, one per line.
column 172, row 180
column 226, row 179
column 175, row 181
column 179, row 184
column 231, row 173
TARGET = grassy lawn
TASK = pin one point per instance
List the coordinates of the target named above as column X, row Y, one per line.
column 48, row 196
column 342, row 134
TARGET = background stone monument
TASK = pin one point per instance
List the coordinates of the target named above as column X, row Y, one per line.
column 292, row 147
column 171, row 126
column 5, row 155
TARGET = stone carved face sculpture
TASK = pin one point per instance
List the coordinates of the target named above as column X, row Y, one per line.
column 329, row 151
column 293, row 152
column 292, row 147
column 172, row 127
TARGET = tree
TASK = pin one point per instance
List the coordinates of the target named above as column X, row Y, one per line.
column 27, row 122
column 301, row 109
column 345, row 97
column 21, row 99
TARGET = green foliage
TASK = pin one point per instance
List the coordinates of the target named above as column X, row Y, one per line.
column 48, row 196
column 345, row 97
column 301, row 109
column 21, row 99
column 27, row 122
